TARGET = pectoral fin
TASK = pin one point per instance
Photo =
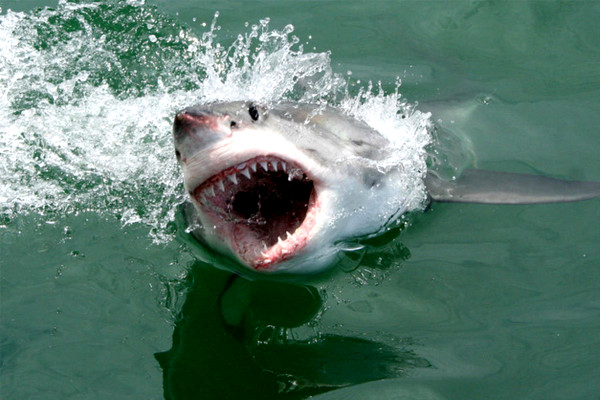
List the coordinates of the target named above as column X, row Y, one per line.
column 490, row 187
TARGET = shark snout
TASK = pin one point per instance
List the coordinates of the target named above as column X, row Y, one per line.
column 193, row 130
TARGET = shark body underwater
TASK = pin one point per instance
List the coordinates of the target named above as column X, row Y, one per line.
column 276, row 189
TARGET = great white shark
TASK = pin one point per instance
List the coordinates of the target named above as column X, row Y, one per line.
column 277, row 188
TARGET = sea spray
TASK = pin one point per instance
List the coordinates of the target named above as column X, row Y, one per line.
column 86, row 106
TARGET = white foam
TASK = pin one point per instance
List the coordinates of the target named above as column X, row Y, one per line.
column 85, row 121
column 408, row 131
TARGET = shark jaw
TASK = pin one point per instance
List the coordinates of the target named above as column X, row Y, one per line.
column 280, row 189
column 264, row 208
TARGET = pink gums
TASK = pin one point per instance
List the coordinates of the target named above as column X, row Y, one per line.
column 240, row 237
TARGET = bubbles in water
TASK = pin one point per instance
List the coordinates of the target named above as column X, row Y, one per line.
column 86, row 104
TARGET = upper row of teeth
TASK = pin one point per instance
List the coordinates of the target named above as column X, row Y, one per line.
column 246, row 169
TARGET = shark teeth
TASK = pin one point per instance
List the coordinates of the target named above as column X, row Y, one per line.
column 233, row 179
column 281, row 224
column 246, row 173
column 228, row 179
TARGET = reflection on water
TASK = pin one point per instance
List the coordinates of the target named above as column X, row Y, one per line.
column 235, row 338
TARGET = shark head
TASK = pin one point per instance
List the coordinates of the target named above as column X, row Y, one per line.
column 277, row 188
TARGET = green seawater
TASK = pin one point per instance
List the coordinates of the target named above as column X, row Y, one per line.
column 102, row 294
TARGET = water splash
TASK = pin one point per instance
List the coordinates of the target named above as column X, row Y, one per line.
column 88, row 91
column 407, row 130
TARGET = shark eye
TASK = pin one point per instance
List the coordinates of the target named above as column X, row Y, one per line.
column 253, row 113
column 233, row 124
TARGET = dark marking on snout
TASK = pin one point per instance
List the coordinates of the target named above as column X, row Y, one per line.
column 194, row 129
column 187, row 122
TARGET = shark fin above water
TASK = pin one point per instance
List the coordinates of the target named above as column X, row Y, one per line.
column 491, row 187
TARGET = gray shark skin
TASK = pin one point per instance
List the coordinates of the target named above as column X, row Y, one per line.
column 278, row 188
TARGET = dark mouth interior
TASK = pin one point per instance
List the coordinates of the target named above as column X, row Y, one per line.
column 271, row 204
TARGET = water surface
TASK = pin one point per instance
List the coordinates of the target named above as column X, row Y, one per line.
column 102, row 294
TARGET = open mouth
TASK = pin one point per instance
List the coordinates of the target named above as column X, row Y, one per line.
column 265, row 206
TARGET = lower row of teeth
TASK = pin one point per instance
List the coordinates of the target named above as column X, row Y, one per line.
column 247, row 170
column 265, row 249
